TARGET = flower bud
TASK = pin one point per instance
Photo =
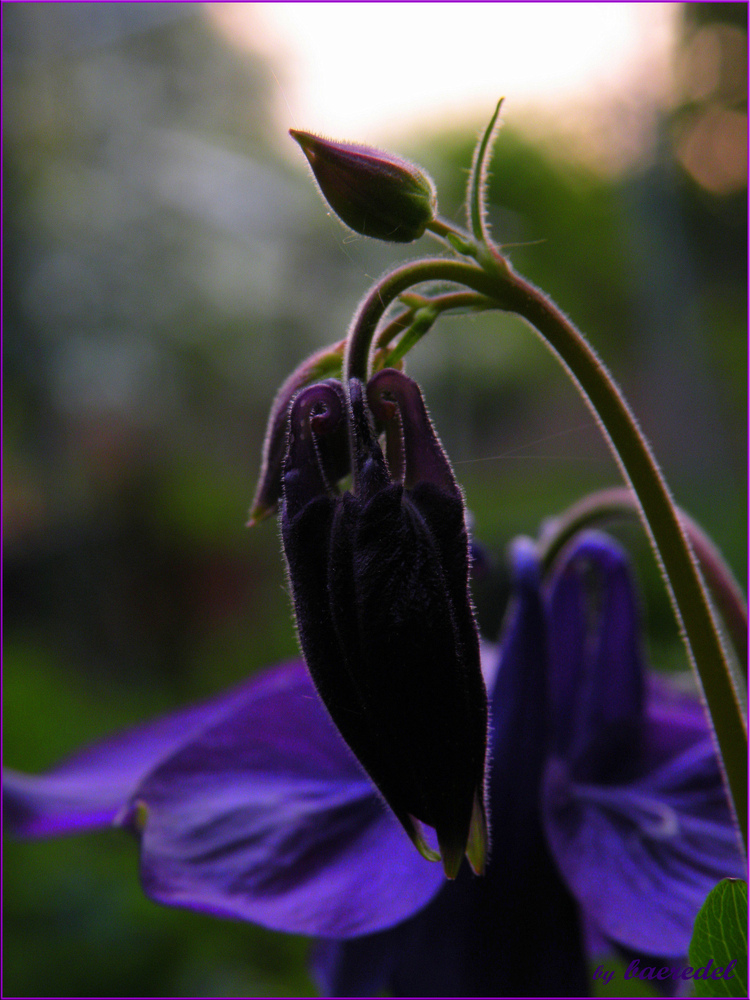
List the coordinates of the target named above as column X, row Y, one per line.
column 375, row 193
column 379, row 578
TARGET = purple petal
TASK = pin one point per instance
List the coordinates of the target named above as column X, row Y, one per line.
column 566, row 628
column 518, row 710
column 89, row 789
column 596, row 672
column 266, row 816
column 641, row 858
column 675, row 721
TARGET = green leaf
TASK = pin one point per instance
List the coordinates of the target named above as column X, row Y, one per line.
column 720, row 940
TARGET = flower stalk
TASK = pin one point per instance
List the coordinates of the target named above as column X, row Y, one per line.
column 486, row 272
column 513, row 293
column 660, row 517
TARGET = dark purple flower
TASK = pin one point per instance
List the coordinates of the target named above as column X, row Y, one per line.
column 380, row 581
column 609, row 816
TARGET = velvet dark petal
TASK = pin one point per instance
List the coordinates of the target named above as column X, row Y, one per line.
column 312, row 369
column 393, row 655
column 267, row 817
column 640, row 858
column 88, row 790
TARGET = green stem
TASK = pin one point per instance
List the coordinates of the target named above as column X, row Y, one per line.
column 660, row 517
column 441, row 303
column 457, row 239
column 381, row 295
column 422, row 321
column 478, row 179
column 514, row 294
column 396, row 326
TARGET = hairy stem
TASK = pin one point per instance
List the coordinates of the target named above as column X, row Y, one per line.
column 382, row 294
column 512, row 293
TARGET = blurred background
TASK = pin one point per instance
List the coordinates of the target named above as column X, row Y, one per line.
column 167, row 262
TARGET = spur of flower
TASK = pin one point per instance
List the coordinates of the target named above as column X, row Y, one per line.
column 609, row 815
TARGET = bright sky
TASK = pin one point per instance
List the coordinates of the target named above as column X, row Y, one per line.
column 365, row 70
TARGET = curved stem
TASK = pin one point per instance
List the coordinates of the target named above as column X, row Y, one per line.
column 441, row 303
column 672, row 549
column 660, row 518
column 372, row 307
column 478, row 179
column 513, row 293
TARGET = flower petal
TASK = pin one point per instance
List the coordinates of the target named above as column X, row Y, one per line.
column 596, row 662
column 641, row 858
column 675, row 721
column 267, row 817
column 380, row 584
column 89, row 789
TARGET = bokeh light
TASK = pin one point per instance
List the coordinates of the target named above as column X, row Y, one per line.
column 373, row 69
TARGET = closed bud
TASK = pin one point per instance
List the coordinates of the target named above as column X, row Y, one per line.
column 375, row 193
column 379, row 577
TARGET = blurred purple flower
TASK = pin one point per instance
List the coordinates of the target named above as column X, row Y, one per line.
column 609, row 817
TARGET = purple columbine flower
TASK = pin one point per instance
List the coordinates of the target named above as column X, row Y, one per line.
column 609, row 816
column 380, row 581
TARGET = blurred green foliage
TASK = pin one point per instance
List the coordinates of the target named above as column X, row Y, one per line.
column 165, row 266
